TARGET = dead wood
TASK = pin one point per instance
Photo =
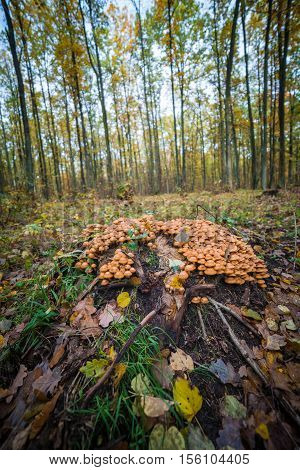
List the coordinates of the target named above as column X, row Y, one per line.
column 235, row 315
column 238, row 345
column 195, row 291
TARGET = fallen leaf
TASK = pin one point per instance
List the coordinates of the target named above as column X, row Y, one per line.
column 180, row 361
column 154, row 406
column 263, row 431
column 289, row 325
column 162, row 439
column 119, row 371
column 2, row 341
column 233, row 408
column 197, row 440
column 57, row 354
column 175, row 264
column 110, row 313
column 41, row 419
column 187, row 398
column 94, row 368
column 275, row 342
column 123, row 300
column 82, row 317
column 284, row 309
column 18, row 382
column 249, row 313
column 225, row 372
column 21, row 438
column 141, row 384
column 5, row 325
column 230, row 436
column 47, row 383
column 163, row 373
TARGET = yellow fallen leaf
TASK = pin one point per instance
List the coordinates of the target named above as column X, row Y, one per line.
column 175, row 282
column 187, row 398
column 120, row 370
column 263, row 431
column 123, row 299
column 2, row 341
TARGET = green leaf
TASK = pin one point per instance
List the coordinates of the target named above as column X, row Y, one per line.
column 162, row 439
column 141, row 385
column 233, row 408
column 94, row 368
column 248, row 312
column 197, row 440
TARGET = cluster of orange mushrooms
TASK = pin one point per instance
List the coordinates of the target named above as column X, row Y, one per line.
column 204, row 246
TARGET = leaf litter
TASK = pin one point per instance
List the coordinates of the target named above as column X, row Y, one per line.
column 38, row 389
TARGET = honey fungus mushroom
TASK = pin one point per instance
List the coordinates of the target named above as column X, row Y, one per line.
column 207, row 249
column 120, row 267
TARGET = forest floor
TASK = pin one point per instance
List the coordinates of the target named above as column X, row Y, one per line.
column 48, row 362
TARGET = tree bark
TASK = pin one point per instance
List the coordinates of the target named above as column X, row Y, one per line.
column 251, row 124
column 228, row 94
column 283, row 43
column 29, row 166
column 178, row 179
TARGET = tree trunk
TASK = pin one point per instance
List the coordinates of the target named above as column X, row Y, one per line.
column 178, row 179
column 228, row 94
column 283, row 43
column 29, row 167
column 251, row 124
column 221, row 118
column 265, row 100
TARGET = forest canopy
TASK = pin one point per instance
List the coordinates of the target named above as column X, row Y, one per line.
column 163, row 95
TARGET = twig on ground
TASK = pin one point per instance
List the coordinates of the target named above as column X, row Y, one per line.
column 239, row 346
column 88, row 289
column 206, row 210
column 144, row 322
column 204, row 334
column 235, row 315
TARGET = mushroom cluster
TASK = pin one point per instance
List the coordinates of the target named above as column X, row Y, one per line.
column 120, row 267
column 213, row 250
column 206, row 247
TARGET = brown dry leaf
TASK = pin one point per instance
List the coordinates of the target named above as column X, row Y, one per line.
column 21, row 438
column 180, row 361
column 275, row 342
column 18, row 382
column 82, row 317
column 47, row 383
column 154, row 407
column 171, row 304
column 163, row 373
column 58, row 352
column 294, row 372
column 41, row 419
column 110, row 313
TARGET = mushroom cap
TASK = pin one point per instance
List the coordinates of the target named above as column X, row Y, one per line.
column 210, row 272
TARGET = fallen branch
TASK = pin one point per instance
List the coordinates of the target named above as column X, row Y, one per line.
column 282, row 401
column 191, row 292
column 239, row 346
column 144, row 322
column 88, row 289
column 235, row 315
column 204, row 334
